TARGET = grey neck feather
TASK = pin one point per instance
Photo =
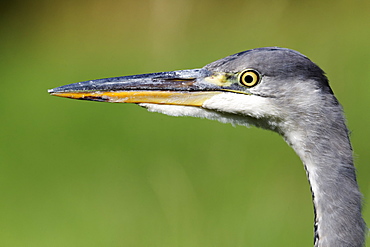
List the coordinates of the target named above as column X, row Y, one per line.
column 314, row 125
column 326, row 152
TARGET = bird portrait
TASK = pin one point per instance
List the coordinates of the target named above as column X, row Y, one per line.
column 272, row 88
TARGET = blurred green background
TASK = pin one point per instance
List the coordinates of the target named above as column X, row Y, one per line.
column 76, row 173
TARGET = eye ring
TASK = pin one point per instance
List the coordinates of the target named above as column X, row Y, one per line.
column 249, row 77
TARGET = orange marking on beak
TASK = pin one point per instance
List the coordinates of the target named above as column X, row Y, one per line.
column 154, row 97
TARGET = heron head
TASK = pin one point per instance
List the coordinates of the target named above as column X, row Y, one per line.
column 263, row 87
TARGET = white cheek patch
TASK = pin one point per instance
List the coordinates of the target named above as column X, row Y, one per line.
column 177, row 110
column 242, row 104
column 192, row 111
column 237, row 109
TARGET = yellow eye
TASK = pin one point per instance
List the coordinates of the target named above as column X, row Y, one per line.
column 249, row 77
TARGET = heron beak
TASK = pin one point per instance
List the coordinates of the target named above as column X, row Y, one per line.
column 182, row 87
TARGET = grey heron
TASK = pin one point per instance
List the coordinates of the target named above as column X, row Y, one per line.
column 272, row 88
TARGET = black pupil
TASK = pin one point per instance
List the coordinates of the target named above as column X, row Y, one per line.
column 248, row 79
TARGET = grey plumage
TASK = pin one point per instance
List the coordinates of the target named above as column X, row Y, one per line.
column 291, row 97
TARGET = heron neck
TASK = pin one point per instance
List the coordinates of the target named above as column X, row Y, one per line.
column 327, row 156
